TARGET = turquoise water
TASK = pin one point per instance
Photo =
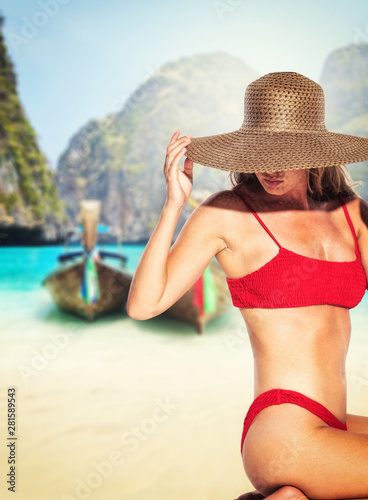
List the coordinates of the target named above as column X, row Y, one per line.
column 24, row 268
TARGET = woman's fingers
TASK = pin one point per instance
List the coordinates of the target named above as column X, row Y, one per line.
column 175, row 136
column 174, row 144
column 173, row 166
column 183, row 141
column 175, row 151
column 188, row 167
column 179, row 183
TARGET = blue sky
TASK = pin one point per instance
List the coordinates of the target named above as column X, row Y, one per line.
column 75, row 59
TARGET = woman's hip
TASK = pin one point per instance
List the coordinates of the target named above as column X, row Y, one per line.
column 285, row 396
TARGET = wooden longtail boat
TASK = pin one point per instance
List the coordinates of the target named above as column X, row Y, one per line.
column 189, row 310
column 65, row 283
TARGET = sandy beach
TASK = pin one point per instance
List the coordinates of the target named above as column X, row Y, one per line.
column 127, row 410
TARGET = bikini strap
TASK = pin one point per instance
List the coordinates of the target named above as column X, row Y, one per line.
column 257, row 217
column 357, row 252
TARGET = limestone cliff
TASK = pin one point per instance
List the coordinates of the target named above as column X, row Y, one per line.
column 30, row 207
column 345, row 82
column 119, row 160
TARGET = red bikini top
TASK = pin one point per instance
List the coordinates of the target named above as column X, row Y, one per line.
column 293, row 280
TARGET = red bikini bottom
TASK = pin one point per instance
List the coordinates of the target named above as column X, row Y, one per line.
column 279, row 396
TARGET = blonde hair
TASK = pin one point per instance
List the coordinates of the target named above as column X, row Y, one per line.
column 324, row 183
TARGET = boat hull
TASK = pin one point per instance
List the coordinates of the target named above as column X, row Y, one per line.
column 185, row 310
column 64, row 286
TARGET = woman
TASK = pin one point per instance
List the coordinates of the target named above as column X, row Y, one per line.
column 292, row 237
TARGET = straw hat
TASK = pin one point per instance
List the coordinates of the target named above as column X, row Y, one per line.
column 283, row 129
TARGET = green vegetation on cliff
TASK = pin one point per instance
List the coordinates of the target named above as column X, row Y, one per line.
column 28, row 193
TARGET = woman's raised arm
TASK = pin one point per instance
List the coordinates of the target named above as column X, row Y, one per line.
column 164, row 274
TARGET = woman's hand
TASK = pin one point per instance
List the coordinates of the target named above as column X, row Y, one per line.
column 178, row 182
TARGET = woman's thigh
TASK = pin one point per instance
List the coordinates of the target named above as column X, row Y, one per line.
column 357, row 423
column 287, row 445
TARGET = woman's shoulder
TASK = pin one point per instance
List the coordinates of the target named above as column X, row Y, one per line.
column 226, row 199
column 358, row 212
column 356, row 204
column 352, row 202
column 218, row 212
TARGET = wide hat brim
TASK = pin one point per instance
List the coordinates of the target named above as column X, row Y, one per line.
column 254, row 151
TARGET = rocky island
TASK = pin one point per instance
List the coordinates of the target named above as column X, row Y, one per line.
column 31, row 210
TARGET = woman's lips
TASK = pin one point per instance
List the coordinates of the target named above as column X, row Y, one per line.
column 272, row 182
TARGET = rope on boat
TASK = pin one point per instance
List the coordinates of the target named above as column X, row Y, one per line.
column 205, row 293
column 90, row 289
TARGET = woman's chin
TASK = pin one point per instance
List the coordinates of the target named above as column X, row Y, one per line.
column 276, row 191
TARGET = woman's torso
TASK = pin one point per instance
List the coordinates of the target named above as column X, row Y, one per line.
column 297, row 348
column 301, row 349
